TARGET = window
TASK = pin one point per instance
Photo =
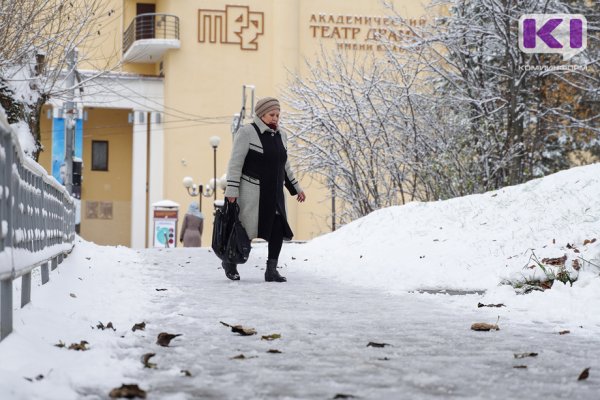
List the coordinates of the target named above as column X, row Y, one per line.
column 99, row 155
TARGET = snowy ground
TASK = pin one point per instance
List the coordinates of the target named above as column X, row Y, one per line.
column 346, row 289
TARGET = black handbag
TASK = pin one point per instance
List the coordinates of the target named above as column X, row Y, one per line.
column 238, row 246
column 230, row 241
column 221, row 231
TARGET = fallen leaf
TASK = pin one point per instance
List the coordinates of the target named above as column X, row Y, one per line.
column 558, row 261
column 160, row 290
column 146, row 360
column 165, row 338
column 108, row 326
column 139, row 326
column 523, row 355
column 244, row 331
column 131, row 391
column 72, row 295
column 81, row 346
column 374, row 344
column 482, row 326
column 584, row 374
column 564, row 332
column 271, row 337
column 273, row 351
column 576, row 265
column 479, row 305
column 37, row 378
column 519, row 366
column 60, row 344
column 185, row 372
column 293, row 258
column 242, row 357
column 88, row 258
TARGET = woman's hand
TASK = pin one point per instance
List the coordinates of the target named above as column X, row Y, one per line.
column 231, row 199
column 301, row 197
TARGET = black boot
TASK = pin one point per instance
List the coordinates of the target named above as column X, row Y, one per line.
column 230, row 271
column 271, row 274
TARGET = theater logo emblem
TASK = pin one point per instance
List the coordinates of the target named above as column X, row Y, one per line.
column 234, row 25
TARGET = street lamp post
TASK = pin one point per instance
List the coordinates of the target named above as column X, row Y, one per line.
column 197, row 190
column 214, row 142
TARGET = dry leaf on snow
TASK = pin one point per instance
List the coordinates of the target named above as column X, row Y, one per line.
column 37, row 378
column 271, row 337
column 131, row 391
column 139, row 326
column 584, row 374
column 558, row 261
column 482, row 326
column 374, row 344
column 523, row 355
column 146, row 360
column 108, row 326
column 244, row 331
column 479, row 305
column 242, row 357
column 81, row 346
column 165, row 338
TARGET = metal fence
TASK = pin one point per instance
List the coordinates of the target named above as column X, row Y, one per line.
column 151, row 26
column 37, row 223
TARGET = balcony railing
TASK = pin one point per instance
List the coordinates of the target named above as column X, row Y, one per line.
column 159, row 31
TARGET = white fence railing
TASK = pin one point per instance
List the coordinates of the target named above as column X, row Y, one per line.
column 37, row 223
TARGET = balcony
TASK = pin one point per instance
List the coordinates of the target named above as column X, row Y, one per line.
column 149, row 36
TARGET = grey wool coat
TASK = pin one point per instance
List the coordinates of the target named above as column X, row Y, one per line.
column 257, row 172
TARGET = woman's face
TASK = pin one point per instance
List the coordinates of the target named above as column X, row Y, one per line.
column 272, row 117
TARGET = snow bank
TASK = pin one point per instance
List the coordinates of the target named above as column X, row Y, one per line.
column 25, row 137
column 469, row 243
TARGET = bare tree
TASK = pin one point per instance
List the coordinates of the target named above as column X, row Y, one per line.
column 454, row 108
column 35, row 37
column 525, row 115
column 342, row 132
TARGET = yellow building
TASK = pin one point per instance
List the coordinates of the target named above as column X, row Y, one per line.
column 177, row 69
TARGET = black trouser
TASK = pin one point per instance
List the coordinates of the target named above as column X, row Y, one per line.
column 276, row 240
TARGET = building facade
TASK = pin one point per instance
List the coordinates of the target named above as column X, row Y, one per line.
column 176, row 73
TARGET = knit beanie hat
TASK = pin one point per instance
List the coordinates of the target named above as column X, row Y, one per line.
column 266, row 105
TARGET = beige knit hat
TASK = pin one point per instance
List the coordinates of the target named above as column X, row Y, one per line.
column 265, row 105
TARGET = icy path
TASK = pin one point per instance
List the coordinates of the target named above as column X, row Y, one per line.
column 324, row 326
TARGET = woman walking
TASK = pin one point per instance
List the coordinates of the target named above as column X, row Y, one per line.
column 257, row 172
column 191, row 229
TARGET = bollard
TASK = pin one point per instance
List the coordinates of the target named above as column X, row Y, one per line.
column 45, row 273
column 6, row 320
column 25, row 289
